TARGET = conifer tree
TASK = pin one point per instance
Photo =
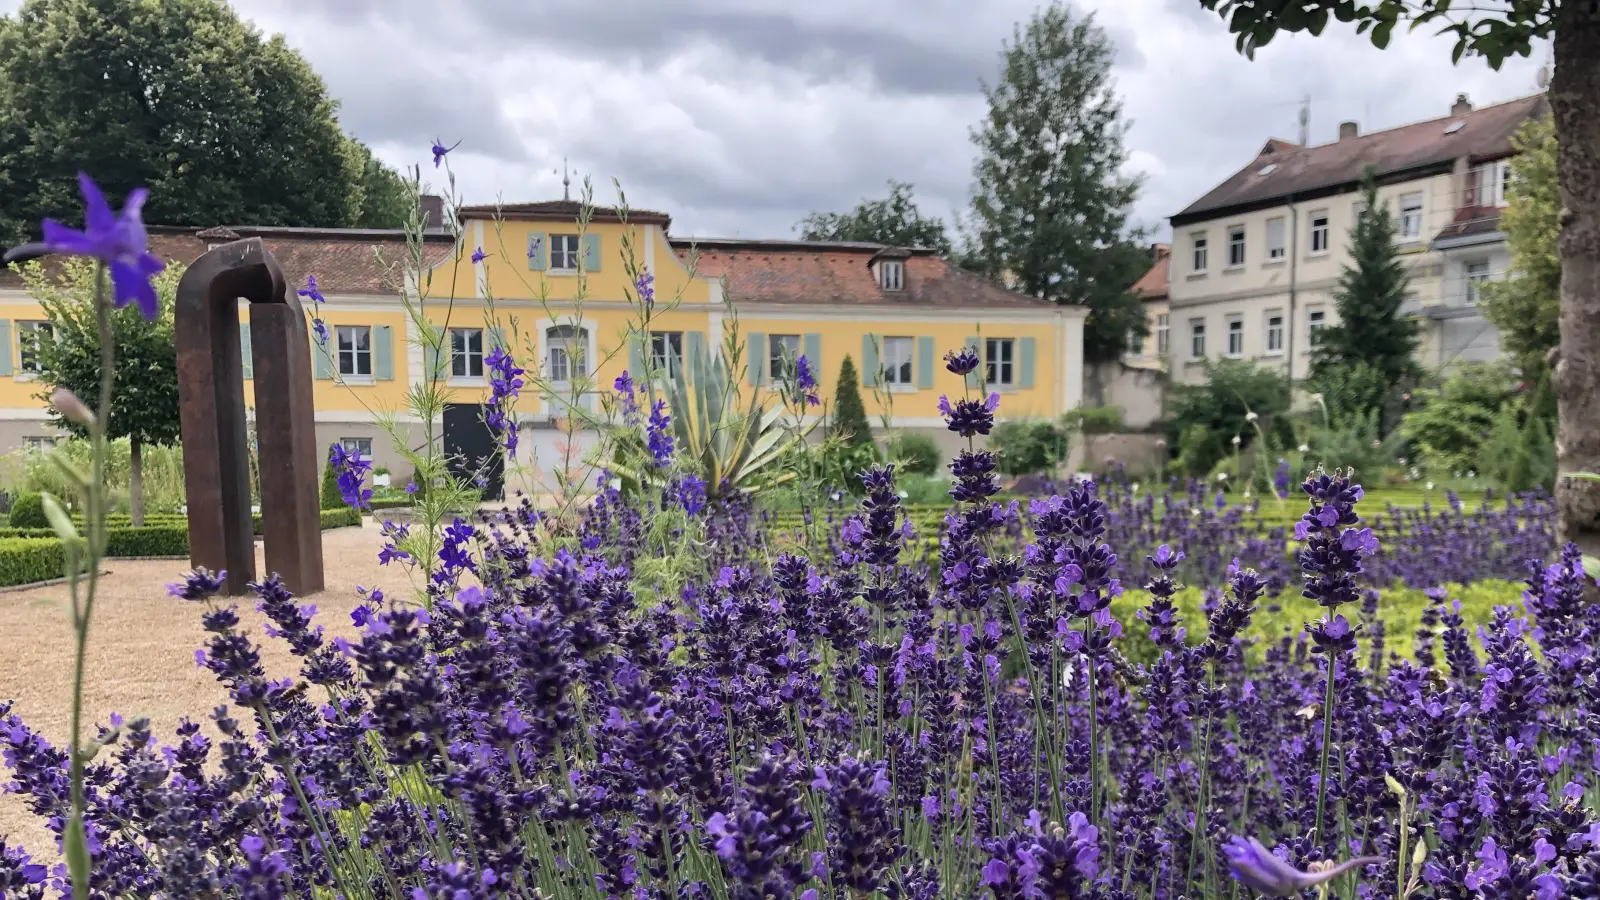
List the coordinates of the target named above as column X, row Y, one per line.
column 850, row 415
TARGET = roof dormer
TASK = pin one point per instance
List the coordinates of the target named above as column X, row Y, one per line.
column 889, row 268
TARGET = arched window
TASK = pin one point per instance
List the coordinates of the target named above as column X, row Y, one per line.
column 568, row 352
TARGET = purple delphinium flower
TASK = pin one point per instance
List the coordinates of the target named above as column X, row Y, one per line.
column 657, row 433
column 478, row 255
column 311, row 291
column 630, row 402
column 1258, row 869
column 805, row 381
column 440, row 151
column 646, row 286
column 689, row 492
column 351, row 471
column 117, row 240
column 505, row 383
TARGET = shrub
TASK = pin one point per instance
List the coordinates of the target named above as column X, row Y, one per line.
column 342, row 517
column 1450, row 423
column 1203, row 418
column 331, row 498
column 25, row 560
column 158, row 540
column 849, row 415
column 390, row 503
column 28, row 512
column 915, row 454
column 1025, row 447
column 1093, row 420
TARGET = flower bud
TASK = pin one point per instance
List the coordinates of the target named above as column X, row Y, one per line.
column 68, row 404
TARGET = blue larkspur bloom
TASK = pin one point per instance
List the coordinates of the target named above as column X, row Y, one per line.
column 118, row 240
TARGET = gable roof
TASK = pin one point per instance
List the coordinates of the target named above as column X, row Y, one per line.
column 345, row 260
column 839, row 273
column 1153, row 285
column 1283, row 169
column 563, row 211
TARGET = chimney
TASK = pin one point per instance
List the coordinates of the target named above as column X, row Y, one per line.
column 432, row 212
column 1348, row 130
column 1462, row 106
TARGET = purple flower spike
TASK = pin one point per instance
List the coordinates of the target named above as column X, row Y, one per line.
column 1258, row 869
column 119, row 241
column 311, row 291
column 963, row 361
column 479, row 256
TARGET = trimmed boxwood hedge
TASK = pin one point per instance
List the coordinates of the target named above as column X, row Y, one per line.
column 24, row 560
column 27, row 511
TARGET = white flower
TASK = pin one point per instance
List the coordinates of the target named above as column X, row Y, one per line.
column 1377, row 444
column 1471, row 474
column 1250, row 417
column 1430, row 485
column 904, row 494
column 1222, row 476
column 1236, row 440
column 1305, row 448
column 1134, row 488
column 1247, row 493
column 1402, row 460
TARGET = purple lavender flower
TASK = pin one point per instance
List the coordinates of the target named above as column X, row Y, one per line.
column 970, row 417
column 963, row 361
column 118, row 240
column 1258, row 869
column 440, row 150
column 199, row 584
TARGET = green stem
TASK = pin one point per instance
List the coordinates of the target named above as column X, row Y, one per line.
column 1327, row 744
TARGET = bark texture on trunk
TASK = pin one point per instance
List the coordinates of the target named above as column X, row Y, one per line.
column 136, row 481
column 1575, row 105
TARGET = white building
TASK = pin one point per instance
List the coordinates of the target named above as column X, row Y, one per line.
column 1256, row 260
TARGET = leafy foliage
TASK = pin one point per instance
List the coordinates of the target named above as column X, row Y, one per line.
column 1052, row 203
column 914, row 454
column 181, row 96
column 27, row 511
column 893, row 220
column 849, row 413
column 1025, row 447
column 1371, row 330
column 26, row 560
column 1450, row 423
column 330, row 496
column 1093, row 420
column 386, row 198
column 1202, row 418
column 23, row 471
column 1526, row 305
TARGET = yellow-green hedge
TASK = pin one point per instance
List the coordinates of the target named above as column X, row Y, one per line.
column 24, row 560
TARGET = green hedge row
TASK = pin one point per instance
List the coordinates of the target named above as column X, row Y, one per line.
column 24, row 560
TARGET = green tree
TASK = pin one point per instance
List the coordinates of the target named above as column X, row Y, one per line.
column 1203, row 418
column 849, row 414
column 144, row 405
column 331, row 498
column 386, row 198
column 893, row 220
column 1050, row 214
column 224, row 126
column 1526, row 306
column 1372, row 332
column 1496, row 32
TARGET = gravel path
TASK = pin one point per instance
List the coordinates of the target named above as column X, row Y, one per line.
column 140, row 659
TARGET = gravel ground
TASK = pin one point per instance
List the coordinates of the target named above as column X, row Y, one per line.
column 140, row 658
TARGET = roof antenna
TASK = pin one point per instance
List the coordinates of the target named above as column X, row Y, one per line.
column 566, row 181
column 1305, row 121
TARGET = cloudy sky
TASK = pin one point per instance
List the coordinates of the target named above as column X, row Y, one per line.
column 738, row 117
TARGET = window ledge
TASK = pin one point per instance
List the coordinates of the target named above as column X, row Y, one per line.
column 1001, row 388
column 1192, row 362
column 564, row 273
column 1317, row 254
column 1195, row 276
column 1273, row 263
column 1233, row 270
column 358, row 380
column 902, row 388
column 24, row 377
column 1272, row 353
column 458, row 381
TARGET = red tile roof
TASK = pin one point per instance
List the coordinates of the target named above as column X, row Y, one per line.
column 1153, row 284
column 345, row 260
column 837, row 273
column 1283, row 168
column 563, row 211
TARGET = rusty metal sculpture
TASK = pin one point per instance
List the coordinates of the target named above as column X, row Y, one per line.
column 216, row 452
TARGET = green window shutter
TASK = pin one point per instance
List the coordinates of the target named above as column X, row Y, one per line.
column 694, row 348
column 383, row 352
column 870, row 369
column 924, row 363
column 975, row 377
column 322, row 358
column 1025, row 352
column 591, row 253
column 538, row 251
column 11, row 350
column 245, row 354
column 813, row 351
column 758, row 353
column 636, row 356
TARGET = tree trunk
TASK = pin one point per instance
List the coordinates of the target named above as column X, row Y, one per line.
column 136, row 481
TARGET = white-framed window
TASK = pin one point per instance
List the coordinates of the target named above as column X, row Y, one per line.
column 30, row 338
column 1236, row 246
column 1197, row 338
column 1135, row 344
column 567, row 352
column 39, row 444
column 666, row 352
column 564, row 252
column 899, row 354
column 1274, row 331
column 1492, row 181
column 782, row 351
column 1200, row 258
column 360, row 446
column 1162, row 333
column 1235, row 336
column 891, row 274
column 466, row 353
column 1315, row 320
column 1275, row 238
column 1319, row 231
column 1411, row 216
column 1477, row 272
column 355, row 350
column 1000, row 356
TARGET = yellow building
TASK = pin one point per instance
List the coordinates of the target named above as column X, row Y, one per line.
column 558, row 295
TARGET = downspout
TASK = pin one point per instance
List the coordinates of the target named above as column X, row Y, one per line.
column 1294, row 259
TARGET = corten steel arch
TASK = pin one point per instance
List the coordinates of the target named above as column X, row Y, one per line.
column 216, row 453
